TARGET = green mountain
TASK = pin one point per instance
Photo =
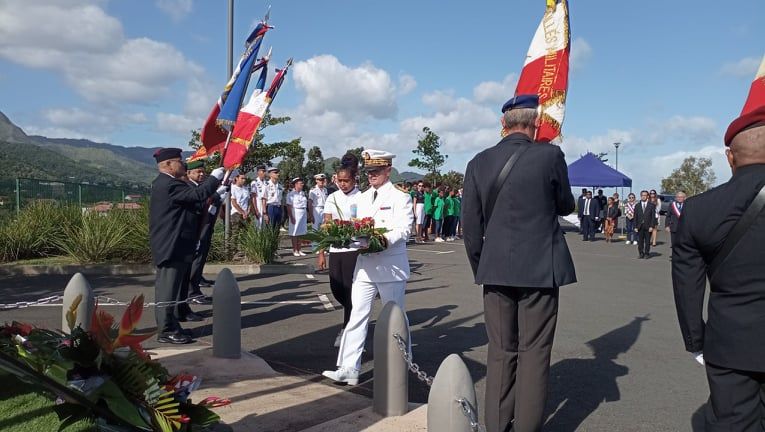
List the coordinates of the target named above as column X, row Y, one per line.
column 74, row 160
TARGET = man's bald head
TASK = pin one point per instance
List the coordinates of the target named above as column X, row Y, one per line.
column 747, row 148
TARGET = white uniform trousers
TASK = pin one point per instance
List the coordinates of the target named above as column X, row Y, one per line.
column 355, row 334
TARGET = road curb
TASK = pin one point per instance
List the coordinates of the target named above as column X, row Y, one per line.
column 146, row 269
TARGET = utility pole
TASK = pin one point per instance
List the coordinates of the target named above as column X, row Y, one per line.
column 230, row 71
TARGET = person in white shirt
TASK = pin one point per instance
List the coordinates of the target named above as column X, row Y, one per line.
column 240, row 204
column 273, row 197
column 341, row 205
column 316, row 199
column 258, row 195
column 297, row 210
column 384, row 273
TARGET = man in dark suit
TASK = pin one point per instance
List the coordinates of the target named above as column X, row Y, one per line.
column 603, row 201
column 589, row 214
column 645, row 223
column 207, row 218
column 731, row 344
column 674, row 214
column 521, row 258
column 173, row 233
column 580, row 205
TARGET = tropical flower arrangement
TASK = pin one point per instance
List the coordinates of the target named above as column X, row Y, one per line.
column 103, row 374
column 340, row 233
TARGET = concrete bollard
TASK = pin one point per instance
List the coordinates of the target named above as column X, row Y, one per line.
column 227, row 316
column 452, row 382
column 391, row 380
column 77, row 286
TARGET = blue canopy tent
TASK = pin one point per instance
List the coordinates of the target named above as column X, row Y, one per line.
column 592, row 172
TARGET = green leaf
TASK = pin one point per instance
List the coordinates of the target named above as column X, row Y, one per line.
column 200, row 416
column 120, row 405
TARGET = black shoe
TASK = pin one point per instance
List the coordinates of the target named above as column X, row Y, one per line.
column 186, row 332
column 203, row 300
column 641, row 256
column 191, row 316
column 647, row 256
column 206, row 282
column 174, row 338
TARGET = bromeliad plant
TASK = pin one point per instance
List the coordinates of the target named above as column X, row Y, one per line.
column 107, row 365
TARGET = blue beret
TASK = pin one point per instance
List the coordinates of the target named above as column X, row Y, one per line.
column 521, row 101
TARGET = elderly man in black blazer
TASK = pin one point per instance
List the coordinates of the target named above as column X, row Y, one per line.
column 731, row 343
column 645, row 223
column 520, row 256
column 174, row 210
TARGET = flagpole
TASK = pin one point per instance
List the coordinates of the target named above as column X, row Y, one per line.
column 230, row 68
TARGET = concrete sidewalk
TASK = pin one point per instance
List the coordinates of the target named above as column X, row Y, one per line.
column 265, row 400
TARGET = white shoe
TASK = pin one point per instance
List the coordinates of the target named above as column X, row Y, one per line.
column 338, row 339
column 348, row 376
column 295, row 253
column 439, row 240
column 450, row 239
column 301, row 253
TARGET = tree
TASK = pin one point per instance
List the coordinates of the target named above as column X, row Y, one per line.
column 260, row 153
column 291, row 165
column 694, row 176
column 429, row 157
column 452, row 179
column 315, row 164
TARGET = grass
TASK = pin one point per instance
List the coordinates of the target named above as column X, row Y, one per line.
column 26, row 410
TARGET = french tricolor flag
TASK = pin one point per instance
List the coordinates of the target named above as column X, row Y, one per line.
column 756, row 97
column 250, row 117
column 545, row 72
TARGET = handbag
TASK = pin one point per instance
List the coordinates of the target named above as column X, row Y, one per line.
column 500, row 182
column 738, row 231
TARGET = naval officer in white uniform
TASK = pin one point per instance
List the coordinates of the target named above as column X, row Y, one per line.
column 384, row 272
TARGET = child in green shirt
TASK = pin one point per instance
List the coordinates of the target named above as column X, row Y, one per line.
column 428, row 200
column 450, row 221
column 438, row 214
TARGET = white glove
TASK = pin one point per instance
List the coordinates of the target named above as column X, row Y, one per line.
column 699, row 357
column 218, row 173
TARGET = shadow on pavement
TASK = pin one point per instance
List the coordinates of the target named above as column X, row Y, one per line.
column 578, row 386
column 698, row 419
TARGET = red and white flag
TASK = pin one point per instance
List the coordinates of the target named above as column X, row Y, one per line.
column 545, row 72
column 756, row 97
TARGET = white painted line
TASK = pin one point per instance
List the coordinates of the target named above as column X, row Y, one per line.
column 325, row 301
column 437, row 252
column 302, row 302
column 310, row 276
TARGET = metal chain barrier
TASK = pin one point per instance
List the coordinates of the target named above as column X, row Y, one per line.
column 25, row 304
column 467, row 409
column 100, row 299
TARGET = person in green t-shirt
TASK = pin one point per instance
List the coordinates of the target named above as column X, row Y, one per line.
column 439, row 212
column 457, row 213
column 428, row 201
column 450, row 220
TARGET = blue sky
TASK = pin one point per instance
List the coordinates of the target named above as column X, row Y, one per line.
column 664, row 78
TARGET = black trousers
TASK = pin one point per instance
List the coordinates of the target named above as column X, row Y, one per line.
column 341, row 268
column 168, row 286
column 736, row 400
column 520, row 324
column 588, row 228
column 200, row 258
column 644, row 241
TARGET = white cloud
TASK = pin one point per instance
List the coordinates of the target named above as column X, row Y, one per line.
column 406, row 84
column 494, row 92
column 176, row 9
column 744, row 68
column 330, row 86
column 79, row 40
column 581, row 52
column 75, row 122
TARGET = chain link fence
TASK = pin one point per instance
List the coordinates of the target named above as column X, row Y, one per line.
column 15, row 194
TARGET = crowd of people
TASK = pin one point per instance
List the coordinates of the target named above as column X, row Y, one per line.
column 642, row 218
column 520, row 266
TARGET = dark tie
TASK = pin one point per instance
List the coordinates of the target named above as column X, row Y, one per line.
column 374, row 196
column 679, row 207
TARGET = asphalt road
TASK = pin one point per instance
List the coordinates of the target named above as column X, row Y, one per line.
column 618, row 361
